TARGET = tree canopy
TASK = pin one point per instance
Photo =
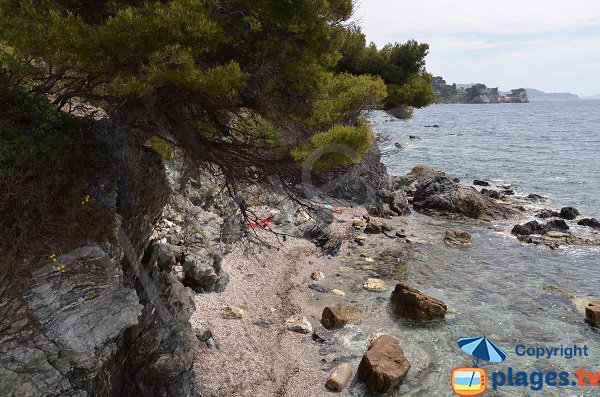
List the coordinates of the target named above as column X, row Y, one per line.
column 224, row 79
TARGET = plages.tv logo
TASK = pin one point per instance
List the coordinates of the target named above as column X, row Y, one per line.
column 472, row 381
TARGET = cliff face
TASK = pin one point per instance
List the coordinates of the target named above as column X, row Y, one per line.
column 491, row 95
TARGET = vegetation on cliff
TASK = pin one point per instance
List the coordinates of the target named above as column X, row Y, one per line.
column 222, row 79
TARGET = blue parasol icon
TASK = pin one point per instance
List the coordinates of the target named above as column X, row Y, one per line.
column 482, row 349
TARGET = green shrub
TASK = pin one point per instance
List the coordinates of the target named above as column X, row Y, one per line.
column 339, row 146
column 163, row 148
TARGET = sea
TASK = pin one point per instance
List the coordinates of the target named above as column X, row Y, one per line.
column 518, row 296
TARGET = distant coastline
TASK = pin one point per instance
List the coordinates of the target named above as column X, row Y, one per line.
column 475, row 94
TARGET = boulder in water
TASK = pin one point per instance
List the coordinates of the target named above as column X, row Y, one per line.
column 383, row 366
column 412, row 303
column 569, row 213
column 590, row 222
column 442, row 194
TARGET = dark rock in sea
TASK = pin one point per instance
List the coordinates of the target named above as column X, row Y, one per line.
column 477, row 182
column 569, row 213
column 509, row 192
column 414, row 137
column 590, row 222
column 412, row 303
column 544, row 214
column 383, row 366
column 558, row 225
column 442, row 194
column 536, row 197
column 432, row 126
column 529, row 228
column 398, row 145
column 592, row 313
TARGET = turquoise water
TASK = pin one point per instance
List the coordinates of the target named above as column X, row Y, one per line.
column 510, row 292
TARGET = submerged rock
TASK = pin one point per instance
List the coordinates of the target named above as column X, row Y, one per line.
column 457, row 237
column 338, row 317
column 569, row 213
column 375, row 285
column 442, row 194
column 383, row 366
column 412, row 303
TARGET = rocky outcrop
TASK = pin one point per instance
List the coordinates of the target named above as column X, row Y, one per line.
column 444, row 195
column 412, row 303
column 383, row 366
column 61, row 334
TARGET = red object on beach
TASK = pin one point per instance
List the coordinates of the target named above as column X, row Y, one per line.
column 262, row 222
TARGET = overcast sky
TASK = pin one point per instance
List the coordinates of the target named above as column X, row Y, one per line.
column 552, row 45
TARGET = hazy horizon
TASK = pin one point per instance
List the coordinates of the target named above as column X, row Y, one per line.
column 548, row 45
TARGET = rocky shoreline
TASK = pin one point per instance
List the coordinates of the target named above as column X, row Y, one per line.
column 207, row 310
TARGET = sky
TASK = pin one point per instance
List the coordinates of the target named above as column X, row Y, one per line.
column 551, row 45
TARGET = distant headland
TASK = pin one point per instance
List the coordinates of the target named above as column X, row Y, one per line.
column 475, row 94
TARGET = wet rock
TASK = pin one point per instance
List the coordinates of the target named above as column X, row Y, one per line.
column 414, row 137
column 383, row 366
column 536, row 197
column 557, row 225
column 529, row 228
column 477, row 182
column 442, row 194
column 337, row 317
column 432, row 126
column 322, row 335
column 412, row 303
column 319, row 288
column 457, row 237
column 509, row 192
column 590, row 222
column 339, row 378
column 317, row 276
column 494, row 194
column 233, row 313
column 298, row 323
column 592, row 313
column 569, row 213
column 546, row 213
column 376, row 226
column 375, row 285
